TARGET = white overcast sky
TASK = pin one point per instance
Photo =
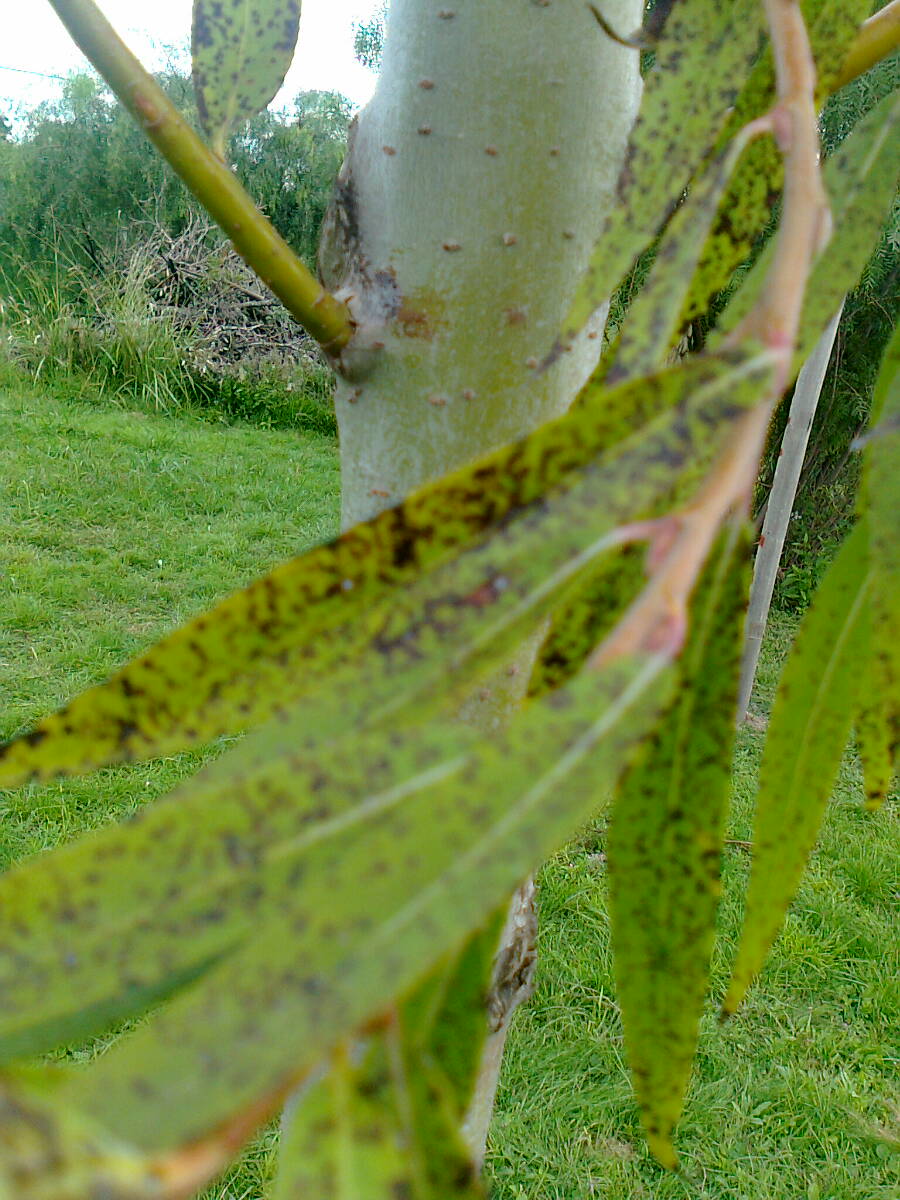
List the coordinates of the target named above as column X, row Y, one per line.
column 34, row 40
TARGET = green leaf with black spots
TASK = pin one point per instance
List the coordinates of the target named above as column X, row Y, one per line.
column 241, row 53
column 665, row 842
column 586, row 616
column 369, row 886
column 749, row 201
column 880, row 503
column 647, row 333
column 303, row 627
column 61, row 911
column 51, row 1152
column 385, row 1119
column 375, row 1128
column 447, row 1021
column 811, row 721
column 702, row 60
column 873, row 722
column 861, row 181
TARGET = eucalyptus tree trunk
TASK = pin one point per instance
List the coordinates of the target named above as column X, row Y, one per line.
column 476, row 183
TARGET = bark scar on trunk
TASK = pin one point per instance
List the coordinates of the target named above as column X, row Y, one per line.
column 512, row 981
column 372, row 295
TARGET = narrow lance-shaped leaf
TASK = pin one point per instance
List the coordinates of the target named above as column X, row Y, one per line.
column 702, row 60
column 879, row 726
column 241, row 50
column 367, row 1132
column 386, row 1118
column 652, row 319
column 218, row 892
column 356, row 911
column 272, row 643
column 861, row 181
column 756, row 185
column 665, row 843
column 49, row 1151
column 873, row 721
column 808, row 731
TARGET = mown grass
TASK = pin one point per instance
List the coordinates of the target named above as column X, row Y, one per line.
column 116, row 526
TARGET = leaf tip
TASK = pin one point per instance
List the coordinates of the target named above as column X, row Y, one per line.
column 663, row 1151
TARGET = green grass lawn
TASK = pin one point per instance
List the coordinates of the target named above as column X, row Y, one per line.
column 116, row 526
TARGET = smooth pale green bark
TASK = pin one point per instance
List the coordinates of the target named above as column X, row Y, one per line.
column 477, row 182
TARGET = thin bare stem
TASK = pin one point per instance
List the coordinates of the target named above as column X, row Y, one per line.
column 878, row 37
column 806, row 222
column 657, row 621
column 210, row 180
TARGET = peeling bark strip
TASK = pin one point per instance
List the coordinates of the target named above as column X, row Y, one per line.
column 241, row 53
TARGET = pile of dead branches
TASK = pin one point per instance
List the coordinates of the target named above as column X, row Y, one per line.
column 196, row 281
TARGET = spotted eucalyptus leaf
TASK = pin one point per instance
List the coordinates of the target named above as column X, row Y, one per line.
column 861, row 180
column 703, row 59
column 665, row 842
column 756, row 185
column 428, row 575
column 811, row 721
column 646, row 336
column 873, row 720
column 50, row 1151
column 241, row 53
column 336, row 893
column 384, row 1117
column 880, row 505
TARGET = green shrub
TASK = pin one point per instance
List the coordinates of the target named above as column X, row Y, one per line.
column 178, row 324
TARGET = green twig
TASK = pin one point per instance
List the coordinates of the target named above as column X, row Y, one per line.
column 207, row 177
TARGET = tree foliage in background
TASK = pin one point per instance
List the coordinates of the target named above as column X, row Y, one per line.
column 81, row 174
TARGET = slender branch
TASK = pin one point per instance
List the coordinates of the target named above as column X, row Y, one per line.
column 207, row 177
column 657, row 621
column 806, row 221
column 878, row 37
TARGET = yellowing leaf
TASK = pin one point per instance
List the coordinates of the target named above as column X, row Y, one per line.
column 810, row 724
column 665, row 843
column 553, row 497
column 242, row 50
